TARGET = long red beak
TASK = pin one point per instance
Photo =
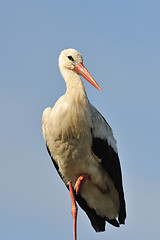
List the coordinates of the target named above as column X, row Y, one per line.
column 80, row 69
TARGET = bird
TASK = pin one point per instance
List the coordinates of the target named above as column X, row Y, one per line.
column 83, row 149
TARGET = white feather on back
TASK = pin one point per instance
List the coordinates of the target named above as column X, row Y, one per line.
column 101, row 128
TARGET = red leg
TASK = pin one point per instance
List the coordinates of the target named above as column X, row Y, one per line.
column 74, row 210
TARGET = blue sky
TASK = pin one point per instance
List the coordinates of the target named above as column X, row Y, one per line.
column 119, row 41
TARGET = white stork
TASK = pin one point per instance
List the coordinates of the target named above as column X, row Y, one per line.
column 83, row 149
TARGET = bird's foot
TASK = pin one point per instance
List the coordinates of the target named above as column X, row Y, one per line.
column 80, row 182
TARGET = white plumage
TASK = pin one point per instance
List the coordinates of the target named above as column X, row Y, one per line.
column 72, row 130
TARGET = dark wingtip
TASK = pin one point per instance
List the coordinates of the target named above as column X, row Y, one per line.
column 98, row 226
column 113, row 222
column 122, row 215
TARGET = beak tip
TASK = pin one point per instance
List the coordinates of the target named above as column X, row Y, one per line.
column 99, row 88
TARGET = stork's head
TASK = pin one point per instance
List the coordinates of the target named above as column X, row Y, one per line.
column 71, row 59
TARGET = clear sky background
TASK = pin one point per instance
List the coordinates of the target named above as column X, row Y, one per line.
column 120, row 43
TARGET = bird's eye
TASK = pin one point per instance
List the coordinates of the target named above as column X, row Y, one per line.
column 71, row 58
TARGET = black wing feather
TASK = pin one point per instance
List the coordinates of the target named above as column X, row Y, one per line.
column 110, row 162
